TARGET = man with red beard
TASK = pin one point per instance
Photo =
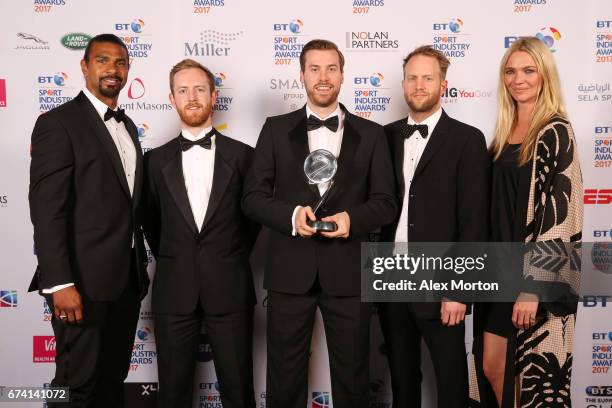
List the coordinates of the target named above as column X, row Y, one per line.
column 85, row 184
column 442, row 172
column 309, row 269
column 197, row 232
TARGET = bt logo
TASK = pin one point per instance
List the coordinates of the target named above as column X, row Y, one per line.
column 59, row 79
column 375, row 80
column 136, row 26
column 604, row 24
column 143, row 128
column 602, row 336
column 219, row 78
column 295, row 26
column 603, row 129
column 454, row 25
column 595, row 300
column 548, row 35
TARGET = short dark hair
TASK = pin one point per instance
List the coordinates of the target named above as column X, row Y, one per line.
column 105, row 38
column 430, row 51
column 319, row 44
column 189, row 63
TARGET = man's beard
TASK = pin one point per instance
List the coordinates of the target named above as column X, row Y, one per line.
column 195, row 118
column 110, row 92
column 424, row 105
column 323, row 101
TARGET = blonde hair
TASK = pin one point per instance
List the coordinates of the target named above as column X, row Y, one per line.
column 429, row 51
column 549, row 102
column 189, row 63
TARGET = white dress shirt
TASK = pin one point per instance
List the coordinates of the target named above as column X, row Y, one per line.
column 198, row 169
column 323, row 138
column 121, row 138
column 125, row 148
column 413, row 150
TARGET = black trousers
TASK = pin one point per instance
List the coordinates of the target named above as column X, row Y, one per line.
column 290, row 323
column 231, row 340
column 403, row 333
column 93, row 358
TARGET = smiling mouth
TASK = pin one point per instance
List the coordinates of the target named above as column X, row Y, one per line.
column 323, row 88
column 193, row 107
column 112, row 81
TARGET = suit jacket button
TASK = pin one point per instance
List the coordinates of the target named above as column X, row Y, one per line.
column 411, row 225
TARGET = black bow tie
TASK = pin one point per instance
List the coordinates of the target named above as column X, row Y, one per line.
column 119, row 115
column 314, row 123
column 204, row 142
column 410, row 129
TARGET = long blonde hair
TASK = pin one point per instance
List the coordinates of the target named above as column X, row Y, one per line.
column 549, row 101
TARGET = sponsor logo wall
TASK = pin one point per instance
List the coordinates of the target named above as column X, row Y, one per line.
column 253, row 50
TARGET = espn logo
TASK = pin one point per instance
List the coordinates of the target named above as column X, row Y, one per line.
column 598, row 196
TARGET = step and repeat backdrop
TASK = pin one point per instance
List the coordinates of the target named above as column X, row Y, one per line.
column 253, row 48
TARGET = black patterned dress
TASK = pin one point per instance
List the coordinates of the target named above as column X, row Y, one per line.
column 548, row 215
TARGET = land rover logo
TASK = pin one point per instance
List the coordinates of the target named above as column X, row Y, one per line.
column 75, row 41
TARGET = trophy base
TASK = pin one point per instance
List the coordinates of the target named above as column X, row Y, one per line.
column 326, row 226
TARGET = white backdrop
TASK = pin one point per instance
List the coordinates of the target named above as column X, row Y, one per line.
column 253, row 48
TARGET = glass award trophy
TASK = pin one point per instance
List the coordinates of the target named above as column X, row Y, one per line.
column 320, row 167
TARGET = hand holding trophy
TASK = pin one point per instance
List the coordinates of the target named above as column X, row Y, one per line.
column 320, row 167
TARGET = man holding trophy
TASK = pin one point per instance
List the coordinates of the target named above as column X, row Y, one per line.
column 321, row 180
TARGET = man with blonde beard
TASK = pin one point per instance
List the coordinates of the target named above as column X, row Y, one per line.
column 441, row 174
column 202, row 241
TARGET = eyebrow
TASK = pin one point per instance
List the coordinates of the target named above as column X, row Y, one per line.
column 194, row 86
column 108, row 57
column 324, row 66
column 524, row 67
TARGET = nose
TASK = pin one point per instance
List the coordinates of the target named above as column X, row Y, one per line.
column 323, row 75
column 193, row 94
column 519, row 77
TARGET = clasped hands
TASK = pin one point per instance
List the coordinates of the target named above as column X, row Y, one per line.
column 304, row 230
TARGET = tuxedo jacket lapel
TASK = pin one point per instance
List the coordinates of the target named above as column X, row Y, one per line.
column 173, row 175
column 138, row 176
column 298, row 139
column 398, row 160
column 101, row 132
column 438, row 136
column 348, row 148
column 222, row 174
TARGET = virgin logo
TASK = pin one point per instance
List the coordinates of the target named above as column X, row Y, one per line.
column 136, row 89
column 43, row 349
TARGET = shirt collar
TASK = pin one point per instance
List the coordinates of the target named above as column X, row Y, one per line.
column 188, row 135
column 100, row 106
column 431, row 121
column 338, row 112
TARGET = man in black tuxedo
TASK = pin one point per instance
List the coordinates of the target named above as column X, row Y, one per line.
column 202, row 241
column 442, row 172
column 85, row 184
column 307, row 269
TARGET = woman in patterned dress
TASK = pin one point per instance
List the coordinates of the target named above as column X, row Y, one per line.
column 536, row 198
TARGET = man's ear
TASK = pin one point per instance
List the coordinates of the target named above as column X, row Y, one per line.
column 172, row 102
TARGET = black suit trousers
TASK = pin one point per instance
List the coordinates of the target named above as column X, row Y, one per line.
column 231, row 340
column 403, row 333
column 289, row 331
column 93, row 358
